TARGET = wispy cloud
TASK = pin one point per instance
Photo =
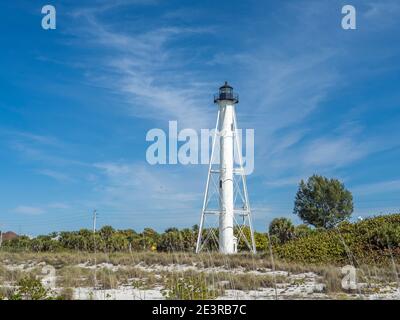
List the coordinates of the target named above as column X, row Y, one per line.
column 148, row 71
column 59, row 176
column 100, row 6
column 58, row 205
column 284, row 182
column 35, row 138
column 29, row 210
column 47, row 149
column 143, row 195
column 377, row 188
column 332, row 153
column 381, row 14
column 145, row 187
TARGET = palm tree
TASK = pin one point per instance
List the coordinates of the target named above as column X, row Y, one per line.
column 281, row 229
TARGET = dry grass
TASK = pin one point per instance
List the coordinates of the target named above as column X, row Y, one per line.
column 332, row 278
column 67, row 294
column 10, row 276
column 225, row 274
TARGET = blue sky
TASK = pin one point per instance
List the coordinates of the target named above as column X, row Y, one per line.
column 76, row 104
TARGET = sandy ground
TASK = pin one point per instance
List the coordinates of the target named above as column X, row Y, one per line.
column 122, row 293
column 296, row 286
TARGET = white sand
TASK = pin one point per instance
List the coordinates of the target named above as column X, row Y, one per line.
column 306, row 285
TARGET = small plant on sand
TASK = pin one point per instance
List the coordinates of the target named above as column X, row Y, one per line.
column 30, row 288
column 91, row 295
column 191, row 288
column 67, row 294
column 139, row 284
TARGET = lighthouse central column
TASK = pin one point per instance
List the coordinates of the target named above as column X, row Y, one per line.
column 226, row 237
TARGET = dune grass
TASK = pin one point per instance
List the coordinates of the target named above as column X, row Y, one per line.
column 145, row 270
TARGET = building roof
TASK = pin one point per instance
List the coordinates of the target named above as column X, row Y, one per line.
column 9, row 235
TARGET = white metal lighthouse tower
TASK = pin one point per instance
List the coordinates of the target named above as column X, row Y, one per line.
column 227, row 183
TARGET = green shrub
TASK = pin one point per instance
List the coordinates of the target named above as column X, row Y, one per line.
column 371, row 241
column 30, row 288
column 188, row 288
column 321, row 247
column 302, row 230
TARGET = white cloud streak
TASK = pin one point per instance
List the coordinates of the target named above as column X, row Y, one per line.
column 143, row 188
column 381, row 187
column 29, row 210
column 149, row 73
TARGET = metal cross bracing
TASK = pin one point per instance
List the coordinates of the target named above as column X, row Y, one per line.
column 242, row 217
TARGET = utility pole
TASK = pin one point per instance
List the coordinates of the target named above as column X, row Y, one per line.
column 1, row 236
column 94, row 246
column 94, row 221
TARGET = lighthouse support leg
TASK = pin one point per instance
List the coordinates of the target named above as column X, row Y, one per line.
column 206, row 194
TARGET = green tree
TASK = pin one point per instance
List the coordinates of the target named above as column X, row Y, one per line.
column 281, row 229
column 149, row 239
column 302, row 230
column 118, row 242
column 188, row 239
column 169, row 241
column 323, row 202
column 106, row 232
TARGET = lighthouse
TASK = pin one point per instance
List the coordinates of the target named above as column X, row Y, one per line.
column 230, row 231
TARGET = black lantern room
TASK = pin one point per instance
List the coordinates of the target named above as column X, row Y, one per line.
column 226, row 94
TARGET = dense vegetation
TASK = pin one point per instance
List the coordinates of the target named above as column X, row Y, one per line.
column 373, row 240
column 107, row 240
